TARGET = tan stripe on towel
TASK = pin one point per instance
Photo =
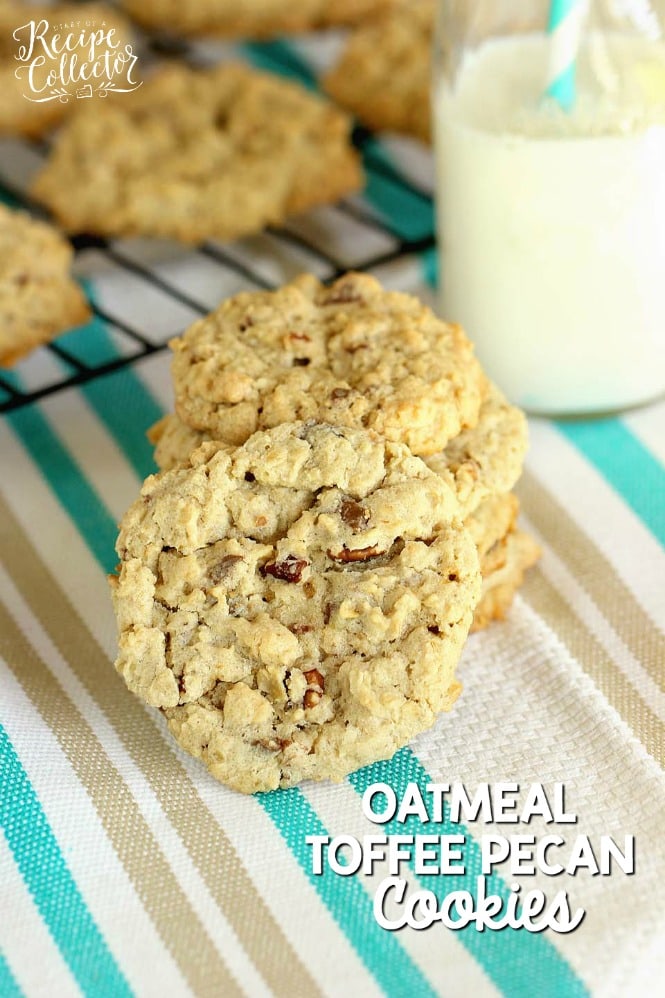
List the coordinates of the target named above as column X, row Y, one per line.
column 549, row 604
column 596, row 575
column 214, row 855
column 180, row 928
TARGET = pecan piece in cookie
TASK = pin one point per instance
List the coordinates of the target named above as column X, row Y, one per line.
column 289, row 570
column 355, row 554
column 273, row 682
column 353, row 514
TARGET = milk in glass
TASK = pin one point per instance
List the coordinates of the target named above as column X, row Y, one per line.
column 552, row 223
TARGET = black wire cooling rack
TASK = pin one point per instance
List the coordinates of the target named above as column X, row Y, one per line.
column 358, row 211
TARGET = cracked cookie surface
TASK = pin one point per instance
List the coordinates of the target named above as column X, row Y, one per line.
column 198, row 154
column 351, row 354
column 478, row 464
column 296, row 606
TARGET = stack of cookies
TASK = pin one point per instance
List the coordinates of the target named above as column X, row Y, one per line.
column 333, row 515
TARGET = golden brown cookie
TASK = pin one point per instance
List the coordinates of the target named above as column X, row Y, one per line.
column 385, row 72
column 503, row 568
column 32, row 117
column 198, row 154
column 296, row 606
column 38, row 299
column 251, row 18
column 492, row 520
column 352, row 354
column 478, row 463
column 486, row 459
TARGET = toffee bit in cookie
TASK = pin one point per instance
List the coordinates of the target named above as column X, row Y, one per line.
column 221, row 569
column 301, row 361
column 344, row 292
column 355, row 554
column 311, row 698
column 353, row 514
column 314, row 679
column 309, row 589
column 327, row 613
column 300, row 628
column 289, row 570
column 339, row 393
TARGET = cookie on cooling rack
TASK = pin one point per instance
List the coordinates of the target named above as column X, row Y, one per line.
column 384, row 73
column 38, row 299
column 251, row 18
column 296, row 606
column 198, row 154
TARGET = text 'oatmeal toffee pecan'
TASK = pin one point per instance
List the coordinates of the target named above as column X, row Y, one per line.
column 297, row 605
column 351, row 354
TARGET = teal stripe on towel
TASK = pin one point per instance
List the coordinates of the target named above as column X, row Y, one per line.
column 8, row 984
column 346, row 899
column 50, row 882
column 623, row 460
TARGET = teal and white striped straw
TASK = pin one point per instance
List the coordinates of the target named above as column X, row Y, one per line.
column 565, row 29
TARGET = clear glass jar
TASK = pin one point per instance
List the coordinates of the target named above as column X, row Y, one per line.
column 551, row 220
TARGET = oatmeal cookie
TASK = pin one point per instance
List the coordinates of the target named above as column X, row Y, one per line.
column 486, row 459
column 351, row 354
column 503, row 568
column 295, row 606
column 477, row 464
column 384, row 74
column 38, row 299
column 252, row 18
column 198, row 154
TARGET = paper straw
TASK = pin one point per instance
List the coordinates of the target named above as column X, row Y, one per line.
column 565, row 29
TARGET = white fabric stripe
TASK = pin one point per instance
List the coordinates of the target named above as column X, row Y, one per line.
column 33, row 958
column 325, row 51
column 92, row 861
column 648, row 425
column 602, row 514
column 39, row 369
column 187, row 875
column 538, row 705
column 591, row 616
column 155, row 372
column 76, row 424
column 435, row 950
column 290, row 896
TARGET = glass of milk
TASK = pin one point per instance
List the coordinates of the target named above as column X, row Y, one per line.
column 552, row 222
